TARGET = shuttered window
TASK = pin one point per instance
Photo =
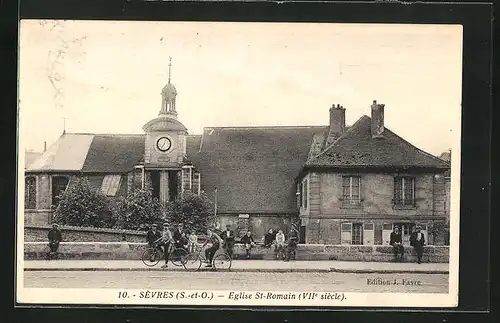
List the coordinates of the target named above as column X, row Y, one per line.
column 111, row 184
column 346, row 234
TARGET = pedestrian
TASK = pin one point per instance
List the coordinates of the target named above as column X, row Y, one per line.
column 215, row 241
column 417, row 241
column 55, row 237
column 397, row 244
column 280, row 245
column 152, row 238
column 193, row 242
column 269, row 238
column 228, row 238
column 249, row 243
column 167, row 242
column 292, row 244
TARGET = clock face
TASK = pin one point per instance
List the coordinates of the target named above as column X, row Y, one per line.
column 163, row 144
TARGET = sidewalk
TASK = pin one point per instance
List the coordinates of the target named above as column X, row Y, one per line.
column 244, row 265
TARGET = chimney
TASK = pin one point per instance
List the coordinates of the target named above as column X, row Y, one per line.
column 44, row 146
column 337, row 122
column 377, row 120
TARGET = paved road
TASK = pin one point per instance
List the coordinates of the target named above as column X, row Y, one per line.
column 295, row 281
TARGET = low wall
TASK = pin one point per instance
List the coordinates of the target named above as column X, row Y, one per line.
column 134, row 250
column 34, row 233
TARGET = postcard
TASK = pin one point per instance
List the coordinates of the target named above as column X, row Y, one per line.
column 217, row 163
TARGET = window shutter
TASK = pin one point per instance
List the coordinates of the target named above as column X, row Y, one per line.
column 398, row 190
column 386, row 233
column 368, row 235
column 346, row 233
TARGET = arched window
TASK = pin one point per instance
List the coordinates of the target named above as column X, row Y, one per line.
column 59, row 184
column 30, row 192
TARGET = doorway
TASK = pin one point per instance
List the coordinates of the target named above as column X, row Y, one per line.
column 173, row 181
column 155, row 184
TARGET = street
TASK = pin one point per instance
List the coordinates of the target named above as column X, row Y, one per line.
column 245, row 281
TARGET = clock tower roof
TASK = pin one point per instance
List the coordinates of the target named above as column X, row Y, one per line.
column 164, row 123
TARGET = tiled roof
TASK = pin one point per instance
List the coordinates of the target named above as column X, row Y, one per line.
column 253, row 168
column 357, row 148
column 114, row 153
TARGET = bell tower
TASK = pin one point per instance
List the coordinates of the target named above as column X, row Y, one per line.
column 165, row 147
column 168, row 96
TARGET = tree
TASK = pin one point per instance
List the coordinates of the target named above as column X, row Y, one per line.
column 137, row 211
column 195, row 212
column 81, row 205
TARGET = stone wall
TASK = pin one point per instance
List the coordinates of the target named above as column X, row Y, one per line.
column 134, row 250
column 33, row 233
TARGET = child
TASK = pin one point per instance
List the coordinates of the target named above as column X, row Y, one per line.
column 193, row 242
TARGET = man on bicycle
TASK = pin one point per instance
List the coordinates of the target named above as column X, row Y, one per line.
column 216, row 241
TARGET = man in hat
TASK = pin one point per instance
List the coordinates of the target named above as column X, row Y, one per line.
column 153, row 235
column 417, row 241
column 55, row 237
column 178, row 236
column 293, row 239
column 228, row 238
column 397, row 244
column 167, row 240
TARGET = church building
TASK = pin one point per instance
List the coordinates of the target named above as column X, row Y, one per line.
column 341, row 184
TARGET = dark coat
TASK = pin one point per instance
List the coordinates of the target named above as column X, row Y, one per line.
column 246, row 239
column 269, row 238
column 225, row 238
column 151, row 236
column 177, row 236
column 414, row 242
column 395, row 237
column 55, row 235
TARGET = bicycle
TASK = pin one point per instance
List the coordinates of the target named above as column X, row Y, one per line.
column 154, row 254
column 220, row 261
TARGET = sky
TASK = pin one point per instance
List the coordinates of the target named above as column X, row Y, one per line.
column 106, row 76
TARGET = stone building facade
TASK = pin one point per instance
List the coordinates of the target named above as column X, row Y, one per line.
column 340, row 184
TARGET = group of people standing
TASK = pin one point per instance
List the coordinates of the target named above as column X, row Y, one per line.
column 417, row 241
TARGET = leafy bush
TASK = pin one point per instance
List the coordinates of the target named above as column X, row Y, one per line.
column 195, row 212
column 81, row 205
column 137, row 211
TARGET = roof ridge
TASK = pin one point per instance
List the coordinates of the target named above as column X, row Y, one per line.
column 342, row 136
column 265, row 127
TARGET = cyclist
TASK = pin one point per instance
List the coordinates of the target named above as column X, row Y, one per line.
column 216, row 242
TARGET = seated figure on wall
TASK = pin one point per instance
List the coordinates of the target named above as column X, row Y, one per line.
column 55, row 237
column 269, row 238
column 249, row 243
column 397, row 244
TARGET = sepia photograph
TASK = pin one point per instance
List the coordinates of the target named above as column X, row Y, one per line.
column 238, row 163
